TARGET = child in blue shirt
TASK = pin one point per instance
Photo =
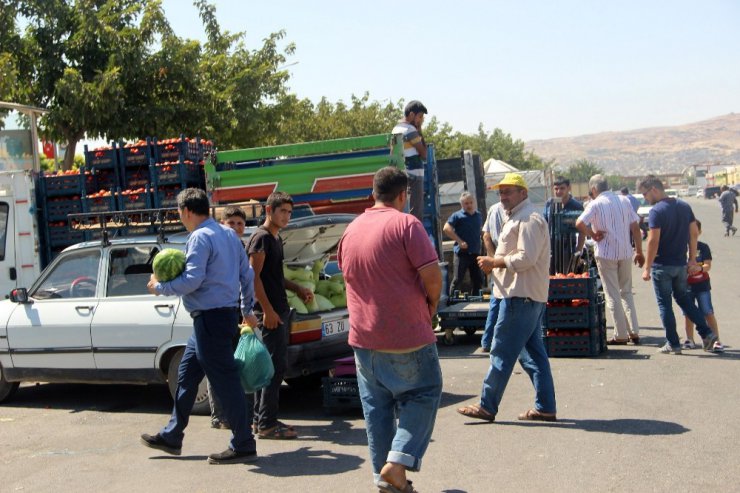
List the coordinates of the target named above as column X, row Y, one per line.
column 700, row 290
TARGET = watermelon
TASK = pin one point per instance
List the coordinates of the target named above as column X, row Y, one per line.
column 168, row 264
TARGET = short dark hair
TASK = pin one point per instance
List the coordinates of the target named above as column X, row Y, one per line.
column 625, row 191
column 724, row 188
column 414, row 107
column 561, row 180
column 388, row 183
column 650, row 181
column 276, row 199
column 195, row 200
column 231, row 211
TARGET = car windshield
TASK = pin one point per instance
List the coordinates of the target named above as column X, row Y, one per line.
column 75, row 276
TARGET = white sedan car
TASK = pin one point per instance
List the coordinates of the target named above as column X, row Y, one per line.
column 90, row 319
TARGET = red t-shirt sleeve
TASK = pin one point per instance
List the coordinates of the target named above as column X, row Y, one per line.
column 418, row 246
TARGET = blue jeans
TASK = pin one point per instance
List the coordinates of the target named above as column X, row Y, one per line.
column 518, row 334
column 400, row 395
column 671, row 280
column 703, row 299
column 209, row 352
column 491, row 319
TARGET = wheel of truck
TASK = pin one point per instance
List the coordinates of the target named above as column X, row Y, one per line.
column 470, row 331
column 7, row 389
column 202, row 406
column 306, row 382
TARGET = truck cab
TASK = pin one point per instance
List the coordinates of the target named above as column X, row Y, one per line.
column 20, row 262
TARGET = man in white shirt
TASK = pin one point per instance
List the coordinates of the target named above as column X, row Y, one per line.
column 609, row 219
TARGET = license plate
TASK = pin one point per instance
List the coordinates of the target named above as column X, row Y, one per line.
column 335, row 327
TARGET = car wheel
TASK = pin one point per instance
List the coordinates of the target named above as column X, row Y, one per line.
column 306, row 382
column 7, row 389
column 201, row 407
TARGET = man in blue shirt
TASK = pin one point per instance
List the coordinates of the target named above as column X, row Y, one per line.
column 464, row 226
column 217, row 273
column 633, row 200
column 562, row 243
column 672, row 229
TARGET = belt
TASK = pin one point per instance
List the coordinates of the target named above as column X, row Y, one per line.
column 197, row 313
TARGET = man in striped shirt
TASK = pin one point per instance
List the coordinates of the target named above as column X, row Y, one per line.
column 414, row 153
column 608, row 219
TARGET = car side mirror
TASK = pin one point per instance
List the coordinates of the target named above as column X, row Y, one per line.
column 20, row 295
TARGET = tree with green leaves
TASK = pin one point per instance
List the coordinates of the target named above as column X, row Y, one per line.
column 115, row 69
column 582, row 171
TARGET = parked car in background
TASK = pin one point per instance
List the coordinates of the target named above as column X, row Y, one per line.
column 671, row 192
column 643, row 211
column 711, row 192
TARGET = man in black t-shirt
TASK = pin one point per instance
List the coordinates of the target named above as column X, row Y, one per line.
column 265, row 250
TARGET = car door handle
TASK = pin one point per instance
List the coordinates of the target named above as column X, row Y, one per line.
column 88, row 308
column 170, row 306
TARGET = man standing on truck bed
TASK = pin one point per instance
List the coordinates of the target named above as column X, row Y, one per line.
column 414, row 151
column 393, row 284
column 265, row 250
column 464, row 226
column 216, row 273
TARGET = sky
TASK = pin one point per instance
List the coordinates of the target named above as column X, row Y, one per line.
column 535, row 69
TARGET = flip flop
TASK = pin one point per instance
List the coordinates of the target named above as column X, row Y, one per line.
column 535, row 415
column 386, row 487
column 477, row 412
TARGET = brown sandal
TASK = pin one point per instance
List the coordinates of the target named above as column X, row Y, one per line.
column 634, row 339
column 616, row 342
column 477, row 412
column 535, row 415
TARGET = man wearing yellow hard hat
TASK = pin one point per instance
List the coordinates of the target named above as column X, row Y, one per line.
column 520, row 268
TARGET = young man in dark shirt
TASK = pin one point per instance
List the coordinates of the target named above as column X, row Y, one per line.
column 265, row 251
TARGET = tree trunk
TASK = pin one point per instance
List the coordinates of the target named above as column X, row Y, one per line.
column 69, row 153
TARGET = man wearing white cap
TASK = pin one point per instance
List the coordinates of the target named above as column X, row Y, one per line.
column 521, row 280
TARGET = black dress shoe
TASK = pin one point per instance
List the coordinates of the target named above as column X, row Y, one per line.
column 230, row 456
column 159, row 443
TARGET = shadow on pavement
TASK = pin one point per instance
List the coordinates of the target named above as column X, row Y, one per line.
column 338, row 431
column 306, row 462
column 106, row 398
column 643, row 427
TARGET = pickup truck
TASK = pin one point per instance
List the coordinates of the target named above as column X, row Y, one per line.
column 89, row 318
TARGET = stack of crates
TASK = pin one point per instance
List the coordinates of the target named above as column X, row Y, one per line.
column 575, row 318
column 177, row 164
column 135, row 159
column 103, row 164
column 58, row 196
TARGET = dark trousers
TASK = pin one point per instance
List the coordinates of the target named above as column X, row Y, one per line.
column 467, row 262
column 267, row 401
column 209, row 352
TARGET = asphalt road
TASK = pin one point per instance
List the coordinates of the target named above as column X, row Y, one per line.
column 629, row 420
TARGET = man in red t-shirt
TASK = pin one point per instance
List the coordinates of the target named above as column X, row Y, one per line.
column 393, row 284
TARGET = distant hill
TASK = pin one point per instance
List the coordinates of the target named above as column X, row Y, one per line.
column 658, row 149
